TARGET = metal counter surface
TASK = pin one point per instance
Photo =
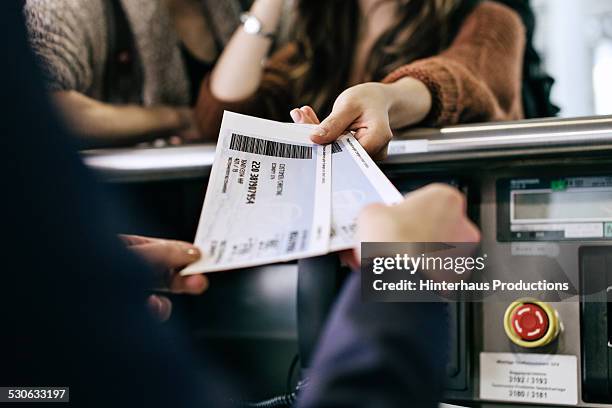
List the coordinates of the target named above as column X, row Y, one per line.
column 464, row 142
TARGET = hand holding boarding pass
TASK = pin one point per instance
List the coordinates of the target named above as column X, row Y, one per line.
column 275, row 196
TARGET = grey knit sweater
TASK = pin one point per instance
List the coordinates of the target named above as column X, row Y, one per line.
column 71, row 39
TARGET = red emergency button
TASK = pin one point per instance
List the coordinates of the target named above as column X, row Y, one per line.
column 529, row 322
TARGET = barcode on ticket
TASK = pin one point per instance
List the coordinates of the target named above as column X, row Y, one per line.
column 336, row 148
column 263, row 147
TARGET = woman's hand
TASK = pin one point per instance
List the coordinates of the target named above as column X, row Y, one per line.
column 372, row 109
column 189, row 132
column 104, row 124
column 304, row 115
column 168, row 257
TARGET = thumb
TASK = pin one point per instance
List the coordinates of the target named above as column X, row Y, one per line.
column 334, row 125
column 168, row 254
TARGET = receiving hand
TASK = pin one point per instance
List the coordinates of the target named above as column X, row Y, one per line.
column 435, row 213
column 168, row 257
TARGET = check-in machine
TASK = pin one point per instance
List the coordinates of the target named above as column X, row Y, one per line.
column 541, row 192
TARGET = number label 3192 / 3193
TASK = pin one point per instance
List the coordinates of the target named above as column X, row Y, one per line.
column 522, row 377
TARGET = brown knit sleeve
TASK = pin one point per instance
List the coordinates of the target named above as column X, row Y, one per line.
column 272, row 100
column 478, row 78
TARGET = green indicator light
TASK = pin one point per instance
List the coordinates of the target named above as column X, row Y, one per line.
column 558, row 185
column 608, row 229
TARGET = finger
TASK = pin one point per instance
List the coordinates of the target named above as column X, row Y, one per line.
column 192, row 284
column 168, row 254
column 310, row 114
column 334, row 125
column 160, row 306
column 449, row 195
column 131, row 240
column 374, row 140
column 296, row 116
column 382, row 153
column 349, row 257
column 445, row 199
column 454, row 205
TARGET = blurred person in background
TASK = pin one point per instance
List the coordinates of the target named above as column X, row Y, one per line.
column 375, row 66
column 127, row 71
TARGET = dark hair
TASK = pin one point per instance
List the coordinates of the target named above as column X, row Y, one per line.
column 326, row 35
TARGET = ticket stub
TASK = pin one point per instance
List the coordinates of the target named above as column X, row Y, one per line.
column 268, row 197
column 356, row 182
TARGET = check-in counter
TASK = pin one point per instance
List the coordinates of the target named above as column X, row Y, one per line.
column 251, row 315
column 451, row 144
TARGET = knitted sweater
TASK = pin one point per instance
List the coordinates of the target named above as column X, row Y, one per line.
column 478, row 78
column 71, row 39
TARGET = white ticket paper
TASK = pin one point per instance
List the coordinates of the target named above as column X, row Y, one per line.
column 268, row 197
column 306, row 196
column 356, row 182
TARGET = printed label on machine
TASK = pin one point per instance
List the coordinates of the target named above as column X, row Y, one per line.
column 535, row 378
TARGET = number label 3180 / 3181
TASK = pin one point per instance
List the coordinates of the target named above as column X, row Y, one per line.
column 524, row 377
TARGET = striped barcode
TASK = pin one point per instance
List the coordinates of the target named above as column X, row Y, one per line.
column 336, row 148
column 263, row 147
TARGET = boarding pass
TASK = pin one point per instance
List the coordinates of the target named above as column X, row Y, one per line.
column 274, row 196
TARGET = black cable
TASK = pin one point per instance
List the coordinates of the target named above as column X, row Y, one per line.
column 282, row 401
